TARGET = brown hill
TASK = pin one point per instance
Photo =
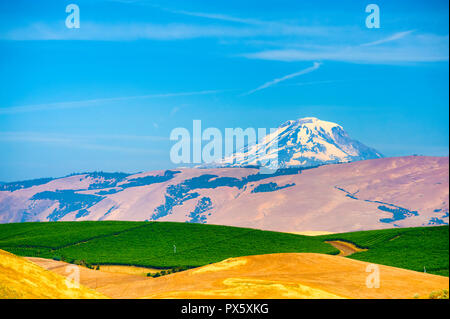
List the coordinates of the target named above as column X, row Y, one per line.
column 266, row 276
column 21, row 279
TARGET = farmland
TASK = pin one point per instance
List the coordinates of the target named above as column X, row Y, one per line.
column 148, row 244
column 418, row 248
column 170, row 245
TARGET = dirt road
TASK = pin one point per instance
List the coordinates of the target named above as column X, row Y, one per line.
column 345, row 248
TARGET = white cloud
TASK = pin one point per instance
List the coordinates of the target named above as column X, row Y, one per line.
column 83, row 141
column 420, row 48
column 315, row 82
column 116, row 32
column 315, row 66
column 218, row 16
column 145, row 31
column 394, row 37
column 94, row 102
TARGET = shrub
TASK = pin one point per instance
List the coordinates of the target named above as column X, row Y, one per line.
column 440, row 294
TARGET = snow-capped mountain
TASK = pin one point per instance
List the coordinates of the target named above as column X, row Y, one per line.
column 304, row 142
column 365, row 194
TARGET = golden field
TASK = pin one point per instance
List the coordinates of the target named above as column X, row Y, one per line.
column 274, row 276
column 20, row 278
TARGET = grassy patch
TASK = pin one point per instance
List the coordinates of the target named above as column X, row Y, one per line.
column 166, row 245
column 410, row 248
column 149, row 244
column 54, row 235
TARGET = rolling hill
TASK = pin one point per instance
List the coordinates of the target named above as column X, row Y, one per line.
column 371, row 194
column 273, row 276
column 151, row 244
column 419, row 249
column 21, row 279
column 303, row 276
column 148, row 244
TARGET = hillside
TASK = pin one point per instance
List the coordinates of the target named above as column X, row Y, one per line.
column 371, row 194
column 148, row 244
column 151, row 244
column 304, row 276
column 20, row 279
column 419, row 249
column 286, row 275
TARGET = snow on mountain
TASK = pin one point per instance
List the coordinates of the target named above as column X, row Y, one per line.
column 304, row 142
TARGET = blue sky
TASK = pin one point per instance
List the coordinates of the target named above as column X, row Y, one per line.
column 106, row 96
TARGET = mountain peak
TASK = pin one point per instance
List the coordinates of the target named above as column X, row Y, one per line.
column 310, row 120
column 304, row 142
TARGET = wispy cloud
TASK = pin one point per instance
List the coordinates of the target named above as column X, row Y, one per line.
column 95, row 102
column 119, row 32
column 206, row 15
column 174, row 110
column 316, row 82
column 394, row 37
column 83, row 141
column 178, row 108
column 162, row 32
column 219, row 16
column 421, row 48
column 315, row 66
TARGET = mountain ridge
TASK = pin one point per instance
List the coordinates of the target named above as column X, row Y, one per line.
column 341, row 197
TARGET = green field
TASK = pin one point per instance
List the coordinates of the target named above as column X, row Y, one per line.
column 410, row 248
column 151, row 244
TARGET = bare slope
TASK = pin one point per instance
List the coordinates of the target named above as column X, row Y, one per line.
column 266, row 276
column 372, row 194
column 294, row 276
column 20, row 279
